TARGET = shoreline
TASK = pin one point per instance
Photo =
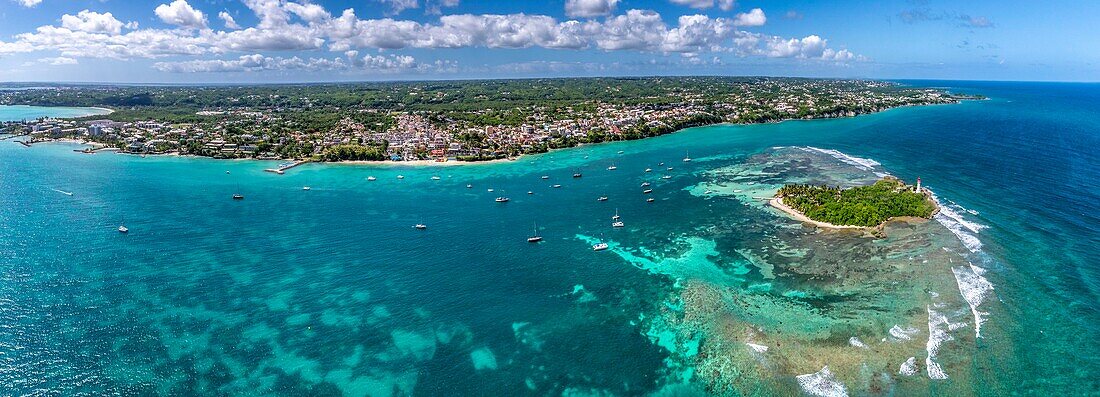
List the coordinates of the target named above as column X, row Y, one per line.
column 879, row 230
column 452, row 163
column 777, row 203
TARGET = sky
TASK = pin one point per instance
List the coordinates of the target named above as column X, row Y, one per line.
column 262, row 41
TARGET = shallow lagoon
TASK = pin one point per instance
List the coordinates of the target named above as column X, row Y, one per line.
column 23, row 112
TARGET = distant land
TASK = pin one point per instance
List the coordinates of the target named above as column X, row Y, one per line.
column 437, row 121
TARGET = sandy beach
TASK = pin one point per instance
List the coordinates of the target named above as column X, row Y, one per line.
column 777, row 202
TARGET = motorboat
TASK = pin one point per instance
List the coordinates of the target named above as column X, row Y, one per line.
column 546, row 177
column 649, row 200
column 644, row 184
column 123, row 229
column 502, row 199
column 371, row 178
column 602, row 198
column 556, row 186
column 617, row 224
column 647, row 191
column 305, row 188
column 436, row 178
column 420, row 226
column 648, row 170
column 599, row 246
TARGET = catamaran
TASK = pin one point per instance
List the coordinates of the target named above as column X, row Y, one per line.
column 536, row 237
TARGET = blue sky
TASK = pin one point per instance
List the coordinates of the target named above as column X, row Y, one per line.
column 316, row 40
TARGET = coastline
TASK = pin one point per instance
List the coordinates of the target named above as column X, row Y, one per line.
column 450, row 163
column 777, row 203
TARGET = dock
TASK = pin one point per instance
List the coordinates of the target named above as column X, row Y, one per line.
column 283, row 169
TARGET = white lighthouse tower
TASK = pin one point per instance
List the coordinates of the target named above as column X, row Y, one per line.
column 918, row 185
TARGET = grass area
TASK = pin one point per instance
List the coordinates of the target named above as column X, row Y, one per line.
column 858, row 206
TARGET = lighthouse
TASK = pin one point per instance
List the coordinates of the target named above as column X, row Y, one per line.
column 918, row 185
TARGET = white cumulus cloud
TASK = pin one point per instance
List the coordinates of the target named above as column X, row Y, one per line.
column 93, row 22
column 181, row 14
column 230, row 23
column 589, row 8
column 755, row 17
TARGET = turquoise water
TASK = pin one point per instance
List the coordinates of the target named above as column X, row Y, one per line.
column 23, row 112
column 331, row 291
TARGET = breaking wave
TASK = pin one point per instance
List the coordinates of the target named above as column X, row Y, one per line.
column 859, row 162
column 822, row 384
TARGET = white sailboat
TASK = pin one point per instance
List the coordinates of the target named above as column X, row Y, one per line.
column 687, row 157
column 535, row 237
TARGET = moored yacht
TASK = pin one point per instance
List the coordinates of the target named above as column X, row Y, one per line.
column 602, row 198
column 599, row 246
column 371, row 178
column 123, row 229
column 687, row 157
column 535, row 237
column 502, row 199
column 647, row 191
column 420, row 226
column 306, row 188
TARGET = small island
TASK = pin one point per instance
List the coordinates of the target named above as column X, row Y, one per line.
column 861, row 207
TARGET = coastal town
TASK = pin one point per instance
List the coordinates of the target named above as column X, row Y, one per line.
column 456, row 121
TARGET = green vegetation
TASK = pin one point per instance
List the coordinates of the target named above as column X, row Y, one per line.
column 858, row 206
column 354, row 152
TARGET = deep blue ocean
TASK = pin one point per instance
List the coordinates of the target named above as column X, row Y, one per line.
column 331, row 291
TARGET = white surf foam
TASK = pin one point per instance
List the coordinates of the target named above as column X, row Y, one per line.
column 975, row 290
column 861, row 163
column 822, row 384
column 951, row 218
column 938, row 327
column 900, row 333
column 757, row 348
column 909, row 367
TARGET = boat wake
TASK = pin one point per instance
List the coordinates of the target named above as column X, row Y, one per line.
column 63, row 192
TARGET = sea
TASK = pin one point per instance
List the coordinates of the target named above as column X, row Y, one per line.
column 705, row 290
column 24, row 112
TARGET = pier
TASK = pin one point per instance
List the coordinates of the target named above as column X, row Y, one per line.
column 282, row 169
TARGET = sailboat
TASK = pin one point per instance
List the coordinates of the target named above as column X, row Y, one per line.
column 122, row 227
column 687, row 157
column 576, row 173
column 612, row 167
column 238, row 196
column 616, row 216
column 420, row 226
column 536, row 237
